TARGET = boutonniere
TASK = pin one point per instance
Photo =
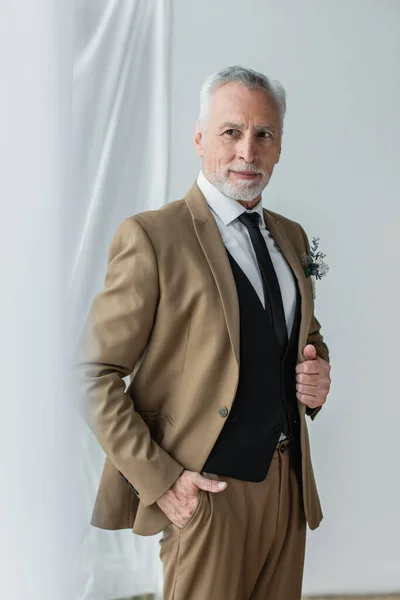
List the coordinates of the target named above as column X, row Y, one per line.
column 314, row 264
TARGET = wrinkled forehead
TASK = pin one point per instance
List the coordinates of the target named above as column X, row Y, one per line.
column 233, row 103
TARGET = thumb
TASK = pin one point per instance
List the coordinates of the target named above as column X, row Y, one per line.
column 310, row 352
column 209, row 485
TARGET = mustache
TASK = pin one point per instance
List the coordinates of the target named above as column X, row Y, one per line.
column 247, row 169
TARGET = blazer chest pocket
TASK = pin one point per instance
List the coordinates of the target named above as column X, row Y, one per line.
column 156, row 421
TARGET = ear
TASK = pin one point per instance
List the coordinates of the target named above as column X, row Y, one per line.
column 198, row 140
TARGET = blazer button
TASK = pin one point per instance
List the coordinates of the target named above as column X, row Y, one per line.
column 223, row 411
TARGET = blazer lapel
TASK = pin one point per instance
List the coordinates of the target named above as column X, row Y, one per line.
column 213, row 247
column 291, row 255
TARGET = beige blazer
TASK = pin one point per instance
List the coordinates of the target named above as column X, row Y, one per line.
column 168, row 316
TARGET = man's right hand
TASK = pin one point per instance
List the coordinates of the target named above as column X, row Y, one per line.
column 180, row 501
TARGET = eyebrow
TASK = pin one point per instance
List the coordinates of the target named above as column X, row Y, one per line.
column 263, row 127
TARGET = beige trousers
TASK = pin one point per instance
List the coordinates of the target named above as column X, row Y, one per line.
column 245, row 543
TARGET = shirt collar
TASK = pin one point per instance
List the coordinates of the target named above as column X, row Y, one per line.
column 226, row 208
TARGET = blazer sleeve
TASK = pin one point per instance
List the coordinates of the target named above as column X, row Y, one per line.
column 113, row 339
column 315, row 337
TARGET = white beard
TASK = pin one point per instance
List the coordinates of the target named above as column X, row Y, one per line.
column 242, row 190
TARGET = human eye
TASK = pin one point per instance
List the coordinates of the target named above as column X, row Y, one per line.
column 232, row 132
column 264, row 134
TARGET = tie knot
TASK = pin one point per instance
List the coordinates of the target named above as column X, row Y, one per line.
column 250, row 219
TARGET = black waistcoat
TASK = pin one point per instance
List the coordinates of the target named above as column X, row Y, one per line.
column 265, row 399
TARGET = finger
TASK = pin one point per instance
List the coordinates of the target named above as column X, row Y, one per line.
column 311, row 401
column 305, row 398
column 209, row 485
column 308, row 390
column 309, row 367
column 316, row 381
column 308, row 378
column 310, row 352
column 324, row 387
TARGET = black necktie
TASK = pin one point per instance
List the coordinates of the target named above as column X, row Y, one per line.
column 273, row 298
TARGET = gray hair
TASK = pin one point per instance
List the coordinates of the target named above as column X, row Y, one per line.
column 252, row 80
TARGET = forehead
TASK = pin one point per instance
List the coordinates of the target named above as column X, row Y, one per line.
column 234, row 102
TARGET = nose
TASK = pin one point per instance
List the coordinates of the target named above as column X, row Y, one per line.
column 246, row 149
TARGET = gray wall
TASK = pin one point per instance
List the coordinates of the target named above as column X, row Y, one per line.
column 339, row 176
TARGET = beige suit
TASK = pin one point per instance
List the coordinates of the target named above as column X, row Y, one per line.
column 168, row 316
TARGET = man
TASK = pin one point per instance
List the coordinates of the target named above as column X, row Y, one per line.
column 206, row 306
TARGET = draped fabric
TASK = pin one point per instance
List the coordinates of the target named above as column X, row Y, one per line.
column 119, row 160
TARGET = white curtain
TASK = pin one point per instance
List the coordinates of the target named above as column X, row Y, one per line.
column 37, row 499
column 120, row 143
